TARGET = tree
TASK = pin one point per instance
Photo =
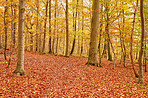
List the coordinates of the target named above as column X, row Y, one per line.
column 67, row 30
column 11, row 34
column 50, row 50
column 37, row 24
column 6, row 27
column 20, row 57
column 141, row 81
column 107, row 29
column 45, row 23
column 93, row 49
column 15, row 24
column 55, row 25
column 82, row 31
column 131, row 41
column 74, row 28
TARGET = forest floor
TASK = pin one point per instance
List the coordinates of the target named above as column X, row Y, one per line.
column 60, row 77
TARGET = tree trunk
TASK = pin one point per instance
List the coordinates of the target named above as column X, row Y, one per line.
column 0, row 42
column 14, row 26
column 99, row 46
column 124, row 48
column 93, row 50
column 74, row 29
column 107, row 31
column 37, row 26
column 5, row 27
column 44, row 40
column 11, row 46
column 82, row 31
column 145, row 55
column 20, row 57
column 67, row 29
column 131, row 42
column 55, row 24
column 50, row 50
column 31, row 40
column 104, row 54
column 141, row 81
column 78, row 51
column 57, row 37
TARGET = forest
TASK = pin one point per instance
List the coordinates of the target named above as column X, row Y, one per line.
column 73, row 48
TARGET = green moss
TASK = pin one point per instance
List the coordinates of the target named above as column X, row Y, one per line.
column 42, row 53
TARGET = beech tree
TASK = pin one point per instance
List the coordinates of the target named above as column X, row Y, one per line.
column 50, row 50
column 131, row 41
column 6, row 27
column 141, row 81
column 67, row 31
column 93, row 48
column 20, row 57
column 45, row 23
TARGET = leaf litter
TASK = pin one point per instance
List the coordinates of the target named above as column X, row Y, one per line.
column 58, row 76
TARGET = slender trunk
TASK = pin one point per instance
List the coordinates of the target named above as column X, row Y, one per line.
column 57, row 45
column 99, row 46
column 40, row 41
column 107, row 31
column 50, row 50
column 82, row 30
column 113, row 50
column 55, row 24
column 67, row 29
column 45, row 23
column 31, row 40
column 145, row 55
column 78, row 27
column 14, row 26
column 11, row 34
column 37, row 26
column 5, row 27
column 73, row 46
column 57, row 39
column 121, row 42
column 63, row 46
column 0, row 42
column 124, row 48
column 141, row 80
column 104, row 54
column 131, row 42
column 75, row 30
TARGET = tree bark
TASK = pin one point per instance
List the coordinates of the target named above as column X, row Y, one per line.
column 74, row 30
column 11, row 46
column 78, row 51
column 107, row 31
column 99, row 46
column 5, row 27
column 67, row 29
column 20, row 57
column 37, row 26
column 131, row 42
column 15, row 24
column 93, row 50
column 50, row 50
column 141, row 80
column 82, row 31
column 45, row 23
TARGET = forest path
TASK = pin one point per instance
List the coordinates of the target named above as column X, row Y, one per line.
column 58, row 76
